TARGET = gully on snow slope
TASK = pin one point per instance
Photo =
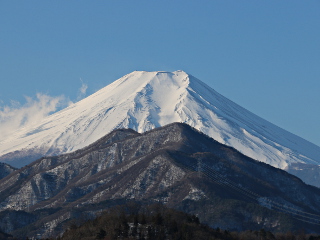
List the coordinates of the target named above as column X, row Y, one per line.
column 146, row 100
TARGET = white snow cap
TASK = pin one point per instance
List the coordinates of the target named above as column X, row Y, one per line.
column 145, row 100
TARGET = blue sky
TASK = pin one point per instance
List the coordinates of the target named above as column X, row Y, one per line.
column 263, row 55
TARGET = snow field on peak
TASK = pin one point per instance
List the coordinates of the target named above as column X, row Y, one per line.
column 130, row 102
column 146, row 100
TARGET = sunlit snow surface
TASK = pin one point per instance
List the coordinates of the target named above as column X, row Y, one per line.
column 146, row 100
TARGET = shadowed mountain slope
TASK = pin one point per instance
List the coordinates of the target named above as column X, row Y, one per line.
column 175, row 165
column 5, row 170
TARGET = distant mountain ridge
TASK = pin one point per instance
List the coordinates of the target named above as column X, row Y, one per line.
column 175, row 165
column 5, row 170
column 146, row 100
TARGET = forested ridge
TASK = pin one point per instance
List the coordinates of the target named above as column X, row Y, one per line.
column 158, row 222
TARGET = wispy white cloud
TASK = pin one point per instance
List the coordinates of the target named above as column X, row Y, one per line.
column 19, row 115
column 33, row 111
column 82, row 91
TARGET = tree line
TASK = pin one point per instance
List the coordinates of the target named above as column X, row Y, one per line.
column 157, row 222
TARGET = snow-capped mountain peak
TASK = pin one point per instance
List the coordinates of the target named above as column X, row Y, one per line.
column 145, row 100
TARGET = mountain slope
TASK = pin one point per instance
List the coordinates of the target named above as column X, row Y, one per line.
column 5, row 170
column 145, row 100
column 175, row 165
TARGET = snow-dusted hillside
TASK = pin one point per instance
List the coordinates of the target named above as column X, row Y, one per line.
column 146, row 100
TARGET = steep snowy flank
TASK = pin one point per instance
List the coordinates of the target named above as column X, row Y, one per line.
column 146, row 100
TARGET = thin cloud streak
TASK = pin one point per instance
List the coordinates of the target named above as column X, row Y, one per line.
column 82, row 90
column 18, row 115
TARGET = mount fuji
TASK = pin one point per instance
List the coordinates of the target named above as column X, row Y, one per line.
column 146, row 100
